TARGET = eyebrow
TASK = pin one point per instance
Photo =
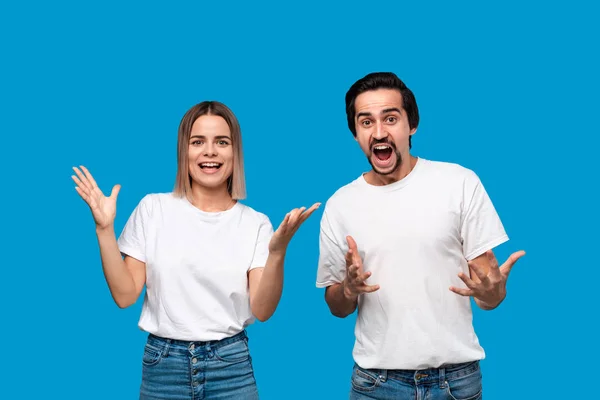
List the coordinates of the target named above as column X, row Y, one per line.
column 204, row 137
column 393, row 109
column 385, row 111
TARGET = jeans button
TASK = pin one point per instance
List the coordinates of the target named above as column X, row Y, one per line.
column 194, row 360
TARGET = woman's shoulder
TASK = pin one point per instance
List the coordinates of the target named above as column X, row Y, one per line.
column 253, row 214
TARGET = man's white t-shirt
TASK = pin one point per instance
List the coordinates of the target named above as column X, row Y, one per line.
column 197, row 265
column 414, row 235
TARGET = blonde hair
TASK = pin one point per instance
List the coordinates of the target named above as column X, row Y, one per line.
column 236, row 183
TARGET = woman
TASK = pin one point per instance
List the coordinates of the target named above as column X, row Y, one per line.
column 210, row 264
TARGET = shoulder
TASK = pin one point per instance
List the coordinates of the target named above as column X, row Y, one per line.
column 251, row 215
column 153, row 203
column 345, row 193
column 450, row 172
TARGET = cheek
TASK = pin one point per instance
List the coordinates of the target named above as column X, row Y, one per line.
column 228, row 155
column 193, row 152
column 363, row 142
column 191, row 158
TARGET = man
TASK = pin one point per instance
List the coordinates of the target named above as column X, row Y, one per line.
column 409, row 243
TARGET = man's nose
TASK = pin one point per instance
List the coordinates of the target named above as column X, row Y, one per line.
column 380, row 132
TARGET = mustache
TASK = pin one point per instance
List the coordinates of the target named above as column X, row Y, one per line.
column 375, row 142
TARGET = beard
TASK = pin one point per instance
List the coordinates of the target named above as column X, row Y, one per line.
column 398, row 160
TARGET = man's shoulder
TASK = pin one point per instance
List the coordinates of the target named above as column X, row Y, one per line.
column 450, row 171
column 347, row 191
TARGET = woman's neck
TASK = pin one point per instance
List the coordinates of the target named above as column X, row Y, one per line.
column 211, row 199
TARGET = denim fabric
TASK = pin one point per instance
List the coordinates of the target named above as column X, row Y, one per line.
column 452, row 382
column 179, row 370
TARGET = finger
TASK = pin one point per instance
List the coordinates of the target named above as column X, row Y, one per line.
column 353, row 271
column 79, row 184
column 492, row 259
column 308, row 212
column 89, row 176
column 351, row 244
column 468, row 281
column 462, row 292
column 363, row 276
column 83, row 195
column 369, row 288
column 348, row 258
column 510, row 263
column 478, row 269
column 115, row 191
column 83, row 179
column 284, row 224
column 294, row 216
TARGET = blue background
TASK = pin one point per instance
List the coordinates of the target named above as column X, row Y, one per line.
column 508, row 89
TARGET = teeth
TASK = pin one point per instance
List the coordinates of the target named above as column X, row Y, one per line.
column 209, row 165
column 381, row 147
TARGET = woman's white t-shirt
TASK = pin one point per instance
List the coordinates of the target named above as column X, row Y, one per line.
column 197, row 265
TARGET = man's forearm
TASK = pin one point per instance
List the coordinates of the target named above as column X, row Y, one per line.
column 340, row 303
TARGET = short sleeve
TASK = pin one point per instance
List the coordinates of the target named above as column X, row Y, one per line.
column 481, row 228
column 132, row 241
column 332, row 262
column 261, row 248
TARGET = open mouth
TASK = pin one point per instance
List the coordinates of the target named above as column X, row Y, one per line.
column 382, row 152
column 210, row 167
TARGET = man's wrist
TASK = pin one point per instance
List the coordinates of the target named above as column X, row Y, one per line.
column 487, row 306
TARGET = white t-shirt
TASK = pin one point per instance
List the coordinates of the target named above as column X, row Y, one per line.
column 196, row 265
column 415, row 235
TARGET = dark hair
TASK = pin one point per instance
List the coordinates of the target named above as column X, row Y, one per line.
column 382, row 80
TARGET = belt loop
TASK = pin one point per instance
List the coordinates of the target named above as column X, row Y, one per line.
column 383, row 375
column 442, row 375
column 167, row 347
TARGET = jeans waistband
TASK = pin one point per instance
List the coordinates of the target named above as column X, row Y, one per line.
column 191, row 346
column 429, row 375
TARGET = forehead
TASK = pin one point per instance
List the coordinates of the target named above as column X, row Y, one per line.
column 376, row 100
column 210, row 125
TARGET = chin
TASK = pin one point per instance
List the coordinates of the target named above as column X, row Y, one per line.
column 387, row 170
column 209, row 182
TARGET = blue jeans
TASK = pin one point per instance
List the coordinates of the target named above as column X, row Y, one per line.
column 452, row 382
column 179, row 370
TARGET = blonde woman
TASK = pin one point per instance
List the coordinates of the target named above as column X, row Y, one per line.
column 210, row 264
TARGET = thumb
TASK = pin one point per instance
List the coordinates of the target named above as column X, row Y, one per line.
column 115, row 191
column 351, row 243
column 510, row 263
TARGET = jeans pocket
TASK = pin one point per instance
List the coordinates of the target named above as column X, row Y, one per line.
column 233, row 352
column 364, row 380
column 466, row 387
column 152, row 355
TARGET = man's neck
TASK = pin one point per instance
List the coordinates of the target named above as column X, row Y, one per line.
column 373, row 178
